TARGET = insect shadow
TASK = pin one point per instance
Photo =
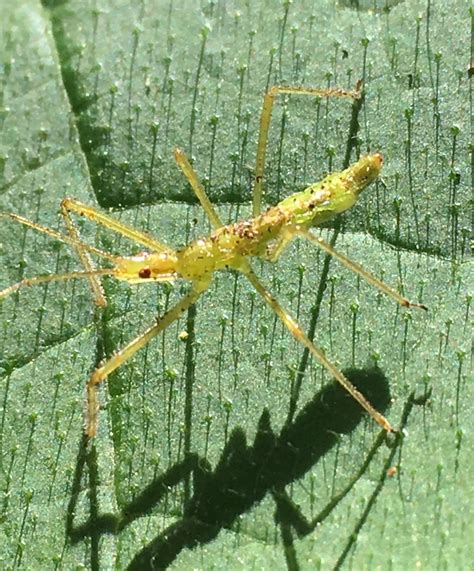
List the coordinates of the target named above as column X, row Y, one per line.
column 241, row 478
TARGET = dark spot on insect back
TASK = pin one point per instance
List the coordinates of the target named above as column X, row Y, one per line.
column 144, row 273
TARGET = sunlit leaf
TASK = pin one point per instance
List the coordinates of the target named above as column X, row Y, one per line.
column 94, row 98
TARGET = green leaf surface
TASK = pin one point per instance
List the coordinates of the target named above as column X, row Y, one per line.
column 191, row 456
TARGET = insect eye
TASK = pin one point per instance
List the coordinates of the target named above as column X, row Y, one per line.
column 144, row 273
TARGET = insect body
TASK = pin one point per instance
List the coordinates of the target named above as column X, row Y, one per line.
column 229, row 246
column 263, row 236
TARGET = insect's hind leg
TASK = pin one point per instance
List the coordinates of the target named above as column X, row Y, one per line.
column 119, row 358
column 196, row 185
column 295, row 329
column 355, row 267
column 265, row 117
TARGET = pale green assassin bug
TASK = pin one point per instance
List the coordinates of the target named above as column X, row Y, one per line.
column 265, row 235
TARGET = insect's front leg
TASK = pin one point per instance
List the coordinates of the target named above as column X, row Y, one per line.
column 70, row 204
column 276, row 249
column 101, row 373
column 83, row 255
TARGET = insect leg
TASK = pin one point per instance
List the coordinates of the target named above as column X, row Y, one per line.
column 265, row 118
column 102, row 372
column 196, row 185
column 356, row 268
column 58, row 236
column 275, row 250
column 295, row 329
column 71, row 240
column 83, row 255
column 111, row 223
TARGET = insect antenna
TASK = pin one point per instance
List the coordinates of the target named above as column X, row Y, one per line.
column 36, row 280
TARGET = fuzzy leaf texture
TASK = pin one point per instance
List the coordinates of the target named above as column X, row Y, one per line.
column 198, row 462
